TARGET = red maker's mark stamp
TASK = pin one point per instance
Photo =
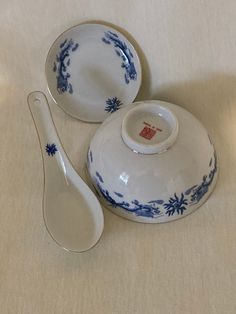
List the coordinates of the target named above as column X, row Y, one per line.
column 149, row 131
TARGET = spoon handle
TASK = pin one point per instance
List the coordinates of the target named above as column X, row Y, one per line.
column 48, row 138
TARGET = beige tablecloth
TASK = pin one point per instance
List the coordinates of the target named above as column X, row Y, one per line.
column 188, row 53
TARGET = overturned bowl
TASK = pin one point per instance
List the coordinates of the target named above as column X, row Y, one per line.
column 152, row 162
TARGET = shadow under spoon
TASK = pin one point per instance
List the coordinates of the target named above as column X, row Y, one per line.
column 72, row 214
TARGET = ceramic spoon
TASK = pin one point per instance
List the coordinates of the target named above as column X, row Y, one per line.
column 72, row 213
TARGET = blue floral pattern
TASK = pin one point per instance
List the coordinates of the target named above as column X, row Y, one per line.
column 150, row 209
column 91, row 156
column 200, row 190
column 124, row 53
column 176, row 205
column 61, row 65
column 51, row 149
column 113, row 104
column 99, row 177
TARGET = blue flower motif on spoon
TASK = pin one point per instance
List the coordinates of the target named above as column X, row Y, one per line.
column 51, row 149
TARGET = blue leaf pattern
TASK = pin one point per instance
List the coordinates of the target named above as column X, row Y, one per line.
column 200, row 190
column 122, row 51
column 61, row 66
column 99, row 177
column 91, row 155
column 119, row 194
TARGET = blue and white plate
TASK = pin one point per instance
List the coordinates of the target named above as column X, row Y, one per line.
column 92, row 70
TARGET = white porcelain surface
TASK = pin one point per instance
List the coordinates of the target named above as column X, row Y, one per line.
column 92, row 70
column 156, row 187
column 72, row 213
